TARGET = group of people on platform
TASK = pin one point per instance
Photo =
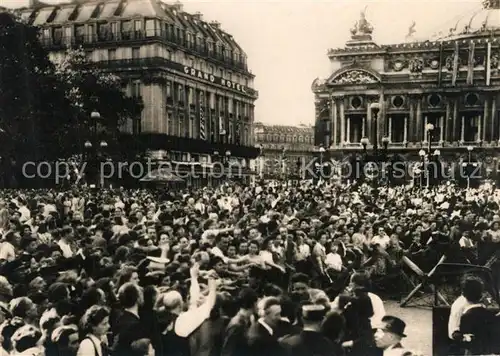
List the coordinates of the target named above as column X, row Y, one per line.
column 263, row 269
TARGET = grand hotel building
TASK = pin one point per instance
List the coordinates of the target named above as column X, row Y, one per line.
column 192, row 75
column 443, row 91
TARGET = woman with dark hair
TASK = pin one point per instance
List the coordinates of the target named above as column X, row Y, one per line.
column 25, row 341
column 94, row 326
column 357, row 310
column 63, row 341
column 333, row 328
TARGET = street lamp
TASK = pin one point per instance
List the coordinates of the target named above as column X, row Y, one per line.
column 321, row 153
column 365, row 142
column 470, row 149
column 429, row 128
column 375, row 108
column 421, row 153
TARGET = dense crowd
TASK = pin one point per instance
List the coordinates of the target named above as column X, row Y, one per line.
column 267, row 269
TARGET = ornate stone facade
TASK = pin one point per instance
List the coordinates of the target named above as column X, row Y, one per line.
column 283, row 147
column 452, row 83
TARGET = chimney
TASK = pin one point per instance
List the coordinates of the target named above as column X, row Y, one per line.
column 215, row 24
column 198, row 16
column 178, row 6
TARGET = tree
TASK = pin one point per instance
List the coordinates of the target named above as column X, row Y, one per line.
column 45, row 107
column 88, row 89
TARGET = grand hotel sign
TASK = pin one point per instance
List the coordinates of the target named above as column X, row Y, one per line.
column 211, row 78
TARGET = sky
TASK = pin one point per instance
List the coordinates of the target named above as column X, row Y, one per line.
column 286, row 41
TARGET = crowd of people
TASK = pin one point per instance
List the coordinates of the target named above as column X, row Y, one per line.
column 262, row 269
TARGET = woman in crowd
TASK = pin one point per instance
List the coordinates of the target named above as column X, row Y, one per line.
column 126, row 258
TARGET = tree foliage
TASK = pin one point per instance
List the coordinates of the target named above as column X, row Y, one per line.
column 45, row 107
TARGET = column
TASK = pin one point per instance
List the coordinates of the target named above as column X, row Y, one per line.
column 494, row 137
column 363, row 127
column 405, row 130
column 382, row 129
column 333, row 113
column 480, row 135
column 462, row 137
column 342, row 122
column 426, row 135
column 389, row 131
column 412, row 121
column 449, row 122
column 486, row 124
column 442, row 128
column 368, row 131
column 418, row 130
column 348, row 138
column 456, row 129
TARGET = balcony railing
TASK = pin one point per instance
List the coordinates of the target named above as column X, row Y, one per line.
column 124, row 36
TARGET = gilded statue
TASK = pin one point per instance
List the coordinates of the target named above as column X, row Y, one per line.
column 411, row 30
column 364, row 27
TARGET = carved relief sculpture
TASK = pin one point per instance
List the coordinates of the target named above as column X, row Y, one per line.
column 449, row 63
column 433, row 63
column 416, row 65
column 355, row 77
column 494, row 61
column 398, row 64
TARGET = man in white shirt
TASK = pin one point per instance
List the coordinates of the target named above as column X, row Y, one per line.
column 7, row 249
column 459, row 306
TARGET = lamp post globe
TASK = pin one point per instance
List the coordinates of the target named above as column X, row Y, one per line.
column 88, row 144
column 437, row 153
column 470, row 148
column 421, row 153
column 95, row 115
column 103, row 144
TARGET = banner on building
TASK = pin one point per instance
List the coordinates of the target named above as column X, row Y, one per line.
column 470, row 64
column 222, row 127
column 456, row 58
column 237, row 133
column 202, row 117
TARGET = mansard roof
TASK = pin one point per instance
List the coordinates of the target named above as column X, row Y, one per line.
column 284, row 129
column 79, row 11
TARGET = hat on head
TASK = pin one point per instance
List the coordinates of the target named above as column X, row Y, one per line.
column 394, row 325
column 313, row 312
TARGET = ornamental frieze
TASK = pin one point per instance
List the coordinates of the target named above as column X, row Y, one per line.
column 416, row 65
column 355, row 77
column 398, row 64
column 494, row 61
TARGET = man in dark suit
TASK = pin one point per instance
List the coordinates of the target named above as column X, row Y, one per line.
column 310, row 341
column 234, row 341
column 261, row 337
column 389, row 335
